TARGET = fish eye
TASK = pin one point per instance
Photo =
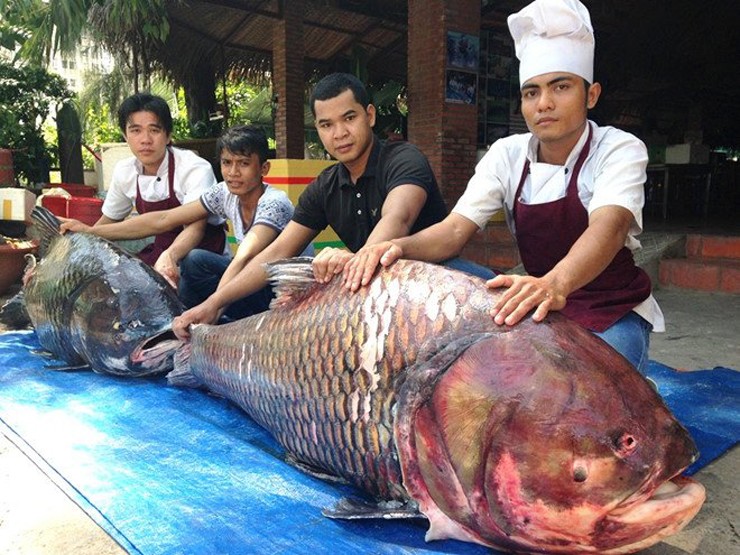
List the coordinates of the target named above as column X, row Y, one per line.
column 580, row 474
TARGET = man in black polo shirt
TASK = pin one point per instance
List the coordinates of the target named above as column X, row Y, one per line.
column 378, row 191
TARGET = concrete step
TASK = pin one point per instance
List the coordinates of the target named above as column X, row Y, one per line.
column 694, row 261
column 713, row 247
column 701, row 274
column 708, row 263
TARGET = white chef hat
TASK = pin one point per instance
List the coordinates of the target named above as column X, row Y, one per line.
column 553, row 35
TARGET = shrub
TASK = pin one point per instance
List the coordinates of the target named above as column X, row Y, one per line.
column 27, row 95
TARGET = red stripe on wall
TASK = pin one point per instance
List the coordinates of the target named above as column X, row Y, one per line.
column 288, row 180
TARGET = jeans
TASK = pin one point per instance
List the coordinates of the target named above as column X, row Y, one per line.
column 469, row 267
column 200, row 272
column 630, row 336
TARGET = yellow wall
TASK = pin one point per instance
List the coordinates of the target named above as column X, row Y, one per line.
column 292, row 176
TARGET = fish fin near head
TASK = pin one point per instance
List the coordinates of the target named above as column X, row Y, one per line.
column 291, row 279
column 67, row 367
column 181, row 375
column 59, row 365
column 44, row 229
column 353, row 509
column 13, row 314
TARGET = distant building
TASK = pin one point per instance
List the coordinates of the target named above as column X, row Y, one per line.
column 87, row 58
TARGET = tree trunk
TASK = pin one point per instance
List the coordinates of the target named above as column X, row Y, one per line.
column 200, row 94
column 69, row 133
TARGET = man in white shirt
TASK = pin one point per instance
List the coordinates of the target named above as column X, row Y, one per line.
column 257, row 212
column 572, row 193
column 159, row 177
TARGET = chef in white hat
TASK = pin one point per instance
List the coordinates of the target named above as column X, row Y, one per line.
column 572, row 193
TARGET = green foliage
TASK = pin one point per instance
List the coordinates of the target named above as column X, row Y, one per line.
column 389, row 100
column 26, row 96
column 101, row 92
column 248, row 104
column 130, row 29
column 34, row 26
column 101, row 126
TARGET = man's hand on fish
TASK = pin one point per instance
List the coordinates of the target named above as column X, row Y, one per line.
column 204, row 313
column 360, row 270
column 167, row 268
column 68, row 224
column 524, row 293
column 329, row 262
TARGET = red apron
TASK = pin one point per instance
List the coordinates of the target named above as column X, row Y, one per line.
column 214, row 238
column 546, row 232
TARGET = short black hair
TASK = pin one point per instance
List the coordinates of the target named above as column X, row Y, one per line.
column 335, row 84
column 245, row 140
column 145, row 102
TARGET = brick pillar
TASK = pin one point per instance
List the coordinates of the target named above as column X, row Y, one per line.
column 288, row 81
column 446, row 132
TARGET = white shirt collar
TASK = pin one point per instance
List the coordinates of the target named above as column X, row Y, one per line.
column 161, row 170
column 572, row 157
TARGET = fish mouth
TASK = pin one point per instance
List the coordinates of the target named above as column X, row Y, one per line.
column 155, row 352
column 670, row 507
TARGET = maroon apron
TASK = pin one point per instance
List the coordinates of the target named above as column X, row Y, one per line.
column 214, row 238
column 546, row 232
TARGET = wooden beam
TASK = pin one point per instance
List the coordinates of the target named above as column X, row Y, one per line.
column 240, row 6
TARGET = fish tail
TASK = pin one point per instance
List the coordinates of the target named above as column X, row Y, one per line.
column 181, row 375
column 45, row 227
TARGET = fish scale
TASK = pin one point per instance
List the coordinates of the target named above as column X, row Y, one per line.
column 310, row 373
column 499, row 435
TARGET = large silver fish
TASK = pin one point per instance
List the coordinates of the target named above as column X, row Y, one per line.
column 93, row 304
column 537, row 438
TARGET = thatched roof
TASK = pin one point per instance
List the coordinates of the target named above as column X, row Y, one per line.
column 238, row 35
column 665, row 65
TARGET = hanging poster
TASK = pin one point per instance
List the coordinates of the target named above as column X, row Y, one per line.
column 460, row 86
column 463, row 51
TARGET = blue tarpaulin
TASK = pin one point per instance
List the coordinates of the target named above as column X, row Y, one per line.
column 166, row 470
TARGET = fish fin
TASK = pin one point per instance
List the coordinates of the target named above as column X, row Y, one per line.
column 291, row 278
column 349, row 508
column 68, row 368
column 181, row 375
column 43, row 353
column 44, row 229
column 62, row 366
column 314, row 471
column 13, row 314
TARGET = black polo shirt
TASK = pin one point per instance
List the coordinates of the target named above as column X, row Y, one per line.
column 353, row 210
